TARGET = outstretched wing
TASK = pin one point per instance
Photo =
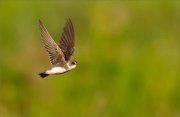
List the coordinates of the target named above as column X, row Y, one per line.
column 55, row 54
column 67, row 40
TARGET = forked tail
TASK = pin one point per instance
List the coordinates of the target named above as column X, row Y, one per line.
column 43, row 74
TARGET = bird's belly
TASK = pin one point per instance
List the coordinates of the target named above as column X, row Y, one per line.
column 56, row 70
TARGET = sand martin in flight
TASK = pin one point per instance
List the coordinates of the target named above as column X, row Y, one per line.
column 61, row 56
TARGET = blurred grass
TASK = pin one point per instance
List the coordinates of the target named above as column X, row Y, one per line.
column 127, row 53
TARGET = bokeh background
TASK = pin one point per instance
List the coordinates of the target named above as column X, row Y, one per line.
column 127, row 52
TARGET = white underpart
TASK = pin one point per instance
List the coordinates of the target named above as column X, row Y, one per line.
column 56, row 70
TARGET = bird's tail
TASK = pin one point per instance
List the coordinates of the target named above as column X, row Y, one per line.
column 43, row 74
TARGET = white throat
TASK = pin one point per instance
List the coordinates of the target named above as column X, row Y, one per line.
column 71, row 67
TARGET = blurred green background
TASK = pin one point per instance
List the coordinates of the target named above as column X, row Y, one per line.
column 127, row 52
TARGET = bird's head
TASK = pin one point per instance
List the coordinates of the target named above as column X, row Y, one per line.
column 72, row 64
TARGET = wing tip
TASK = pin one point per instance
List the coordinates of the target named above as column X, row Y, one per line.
column 69, row 23
column 40, row 22
column 69, row 20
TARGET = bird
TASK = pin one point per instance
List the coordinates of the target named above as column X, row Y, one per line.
column 60, row 55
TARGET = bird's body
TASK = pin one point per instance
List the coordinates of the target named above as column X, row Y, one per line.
column 56, row 70
column 60, row 55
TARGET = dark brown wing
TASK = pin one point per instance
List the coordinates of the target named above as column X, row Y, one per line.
column 55, row 54
column 67, row 40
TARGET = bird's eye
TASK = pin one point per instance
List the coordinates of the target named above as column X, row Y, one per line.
column 74, row 62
